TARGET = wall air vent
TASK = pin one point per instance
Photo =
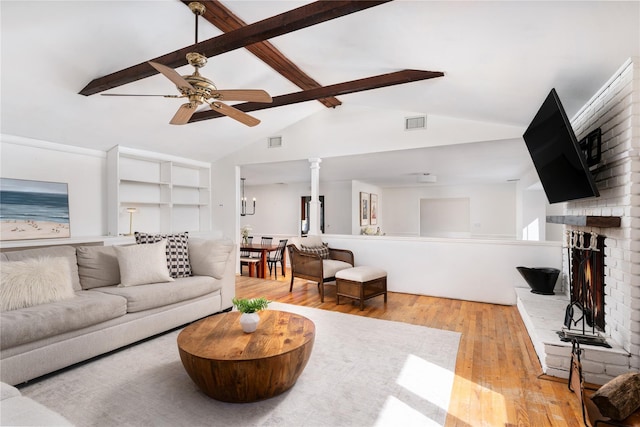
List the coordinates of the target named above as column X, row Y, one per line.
column 274, row 142
column 415, row 123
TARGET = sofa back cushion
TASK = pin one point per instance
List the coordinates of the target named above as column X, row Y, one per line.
column 97, row 266
column 67, row 252
column 209, row 257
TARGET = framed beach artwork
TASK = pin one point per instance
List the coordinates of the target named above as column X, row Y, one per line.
column 33, row 209
column 364, row 208
column 373, row 217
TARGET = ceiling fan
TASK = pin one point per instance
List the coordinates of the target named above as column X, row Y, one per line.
column 200, row 90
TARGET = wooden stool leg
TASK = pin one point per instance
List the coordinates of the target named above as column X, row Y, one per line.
column 385, row 289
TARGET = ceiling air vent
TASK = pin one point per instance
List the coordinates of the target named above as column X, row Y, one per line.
column 275, row 142
column 414, row 123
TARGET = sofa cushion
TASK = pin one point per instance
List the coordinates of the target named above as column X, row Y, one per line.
column 68, row 252
column 142, row 264
column 209, row 257
column 331, row 266
column 18, row 410
column 7, row 391
column 97, row 266
column 33, row 323
column 145, row 297
column 177, row 251
column 34, row 281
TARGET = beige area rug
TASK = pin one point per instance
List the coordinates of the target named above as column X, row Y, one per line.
column 362, row 372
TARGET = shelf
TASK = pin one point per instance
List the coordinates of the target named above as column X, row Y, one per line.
column 141, row 181
column 171, row 193
column 194, row 187
column 36, row 243
column 586, row 221
column 126, row 204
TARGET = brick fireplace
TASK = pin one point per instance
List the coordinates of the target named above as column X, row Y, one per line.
column 585, row 313
column 616, row 110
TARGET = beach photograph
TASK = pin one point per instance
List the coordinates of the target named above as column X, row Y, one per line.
column 33, row 209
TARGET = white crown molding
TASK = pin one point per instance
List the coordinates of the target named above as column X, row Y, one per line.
column 47, row 145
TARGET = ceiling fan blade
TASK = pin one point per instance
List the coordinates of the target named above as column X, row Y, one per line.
column 183, row 114
column 255, row 95
column 234, row 113
column 172, row 75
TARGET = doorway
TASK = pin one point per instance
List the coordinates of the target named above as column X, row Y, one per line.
column 304, row 214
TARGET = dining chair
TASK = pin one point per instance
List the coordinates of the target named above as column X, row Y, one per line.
column 247, row 259
column 276, row 257
column 263, row 241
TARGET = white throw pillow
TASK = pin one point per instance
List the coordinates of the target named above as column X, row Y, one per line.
column 34, row 281
column 143, row 264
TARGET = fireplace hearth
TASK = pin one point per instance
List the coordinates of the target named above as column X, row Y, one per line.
column 585, row 316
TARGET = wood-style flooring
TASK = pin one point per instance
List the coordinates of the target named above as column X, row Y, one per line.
column 498, row 378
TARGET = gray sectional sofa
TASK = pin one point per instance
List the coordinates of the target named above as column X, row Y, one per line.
column 101, row 314
column 18, row 410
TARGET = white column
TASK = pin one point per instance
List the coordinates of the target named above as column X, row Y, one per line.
column 314, row 204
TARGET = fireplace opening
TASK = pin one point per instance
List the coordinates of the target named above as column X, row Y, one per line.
column 585, row 316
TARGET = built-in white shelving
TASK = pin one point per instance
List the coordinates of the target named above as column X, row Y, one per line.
column 170, row 194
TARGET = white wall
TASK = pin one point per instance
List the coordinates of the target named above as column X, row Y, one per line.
column 492, row 208
column 475, row 270
column 278, row 208
column 358, row 187
column 83, row 170
column 355, row 130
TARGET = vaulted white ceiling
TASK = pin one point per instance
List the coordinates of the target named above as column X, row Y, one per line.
column 500, row 59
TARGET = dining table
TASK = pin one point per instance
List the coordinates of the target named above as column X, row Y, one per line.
column 264, row 250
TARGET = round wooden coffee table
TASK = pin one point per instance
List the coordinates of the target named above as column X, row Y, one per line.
column 232, row 366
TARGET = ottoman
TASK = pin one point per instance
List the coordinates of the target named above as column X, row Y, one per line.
column 361, row 283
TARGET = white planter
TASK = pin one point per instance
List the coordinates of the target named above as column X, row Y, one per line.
column 249, row 322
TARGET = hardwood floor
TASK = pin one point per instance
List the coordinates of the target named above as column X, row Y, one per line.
column 497, row 372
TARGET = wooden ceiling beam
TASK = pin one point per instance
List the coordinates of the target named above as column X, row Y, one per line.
column 368, row 83
column 224, row 19
column 302, row 17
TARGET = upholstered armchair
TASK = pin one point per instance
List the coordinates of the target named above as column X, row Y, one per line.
column 313, row 260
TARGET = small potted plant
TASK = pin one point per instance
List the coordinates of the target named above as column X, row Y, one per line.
column 249, row 308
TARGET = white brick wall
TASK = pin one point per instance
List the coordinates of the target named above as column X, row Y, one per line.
column 616, row 110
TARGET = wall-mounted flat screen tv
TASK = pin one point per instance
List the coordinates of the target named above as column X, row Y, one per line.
column 556, row 154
